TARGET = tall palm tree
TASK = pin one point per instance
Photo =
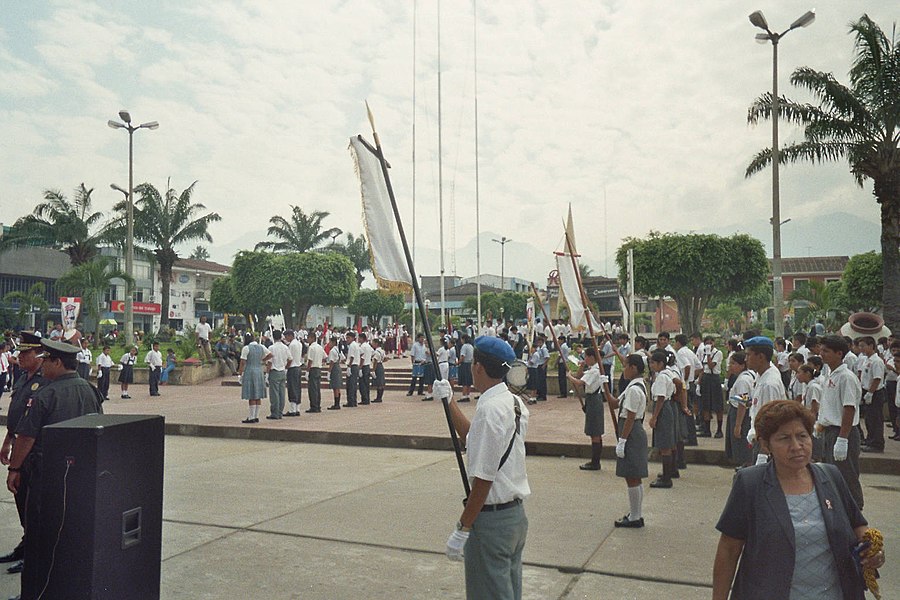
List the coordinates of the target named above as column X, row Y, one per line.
column 90, row 281
column 357, row 250
column 63, row 224
column 301, row 233
column 860, row 123
column 820, row 299
column 29, row 301
column 165, row 222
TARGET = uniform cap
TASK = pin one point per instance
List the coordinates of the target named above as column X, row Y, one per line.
column 495, row 347
column 29, row 341
column 54, row 349
column 759, row 340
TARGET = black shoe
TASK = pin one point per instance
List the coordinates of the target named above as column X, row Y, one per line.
column 13, row 556
column 427, row 399
column 250, row 421
column 312, row 410
column 409, row 393
column 273, row 417
column 626, row 522
column 872, row 449
column 334, row 407
column 466, row 399
column 661, row 483
column 17, row 567
column 718, row 435
column 588, row 466
column 291, row 414
column 366, row 403
column 349, row 406
column 703, row 434
column 378, row 401
column 675, row 475
column 681, row 466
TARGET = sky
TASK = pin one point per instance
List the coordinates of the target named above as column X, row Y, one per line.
column 632, row 111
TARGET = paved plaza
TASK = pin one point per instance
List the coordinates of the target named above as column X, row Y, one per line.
column 252, row 518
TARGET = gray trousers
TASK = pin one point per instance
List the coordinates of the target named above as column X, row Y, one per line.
column 365, row 378
column 493, row 555
column 314, row 379
column 849, row 467
column 352, row 385
column 875, row 420
column 294, row 387
column 276, row 392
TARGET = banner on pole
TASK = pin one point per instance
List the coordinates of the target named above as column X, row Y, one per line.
column 570, row 291
column 71, row 306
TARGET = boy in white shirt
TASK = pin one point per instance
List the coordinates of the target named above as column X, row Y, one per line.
column 154, row 362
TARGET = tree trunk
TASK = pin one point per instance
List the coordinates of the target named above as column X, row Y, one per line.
column 288, row 316
column 302, row 312
column 888, row 194
column 165, row 276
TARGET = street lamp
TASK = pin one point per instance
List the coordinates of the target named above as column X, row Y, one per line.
column 129, row 216
column 758, row 20
column 502, row 241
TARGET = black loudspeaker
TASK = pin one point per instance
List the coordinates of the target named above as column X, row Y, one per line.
column 102, row 481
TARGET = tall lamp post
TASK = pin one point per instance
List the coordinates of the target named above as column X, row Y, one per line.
column 129, row 217
column 502, row 241
column 758, row 20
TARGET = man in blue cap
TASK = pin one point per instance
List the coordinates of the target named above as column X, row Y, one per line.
column 768, row 386
column 490, row 534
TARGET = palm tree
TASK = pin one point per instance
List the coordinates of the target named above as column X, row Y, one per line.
column 62, row 224
column 165, row 223
column 357, row 250
column 91, row 281
column 301, row 233
column 585, row 270
column 860, row 123
column 200, row 253
column 29, row 301
column 820, row 300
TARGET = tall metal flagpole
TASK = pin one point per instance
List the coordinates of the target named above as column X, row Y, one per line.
column 420, row 302
column 440, row 167
column 631, row 331
column 477, row 198
column 412, row 333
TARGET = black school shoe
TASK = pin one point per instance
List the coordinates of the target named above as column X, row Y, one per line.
column 661, row 483
column 626, row 522
column 15, row 555
column 589, row 467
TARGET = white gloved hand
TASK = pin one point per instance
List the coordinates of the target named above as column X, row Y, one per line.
column 620, row 447
column 604, row 379
column 240, row 379
column 840, row 449
column 99, row 373
column 121, row 366
column 456, row 543
column 867, row 398
column 751, row 436
column 762, row 459
column 442, row 389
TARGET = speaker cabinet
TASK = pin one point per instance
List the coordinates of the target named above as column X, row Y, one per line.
column 101, row 491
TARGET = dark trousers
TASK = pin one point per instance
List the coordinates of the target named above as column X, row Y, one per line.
column 875, row 421
column 21, row 499
column 314, row 379
column 83, row 370
column 103, row 382
column 352, row 385
column 541, row 383
column 849, row 467
column 294, row 386
column 155, row 372
column 414, row 381
column 891, row 388
column 561, row 377
column 364, row 382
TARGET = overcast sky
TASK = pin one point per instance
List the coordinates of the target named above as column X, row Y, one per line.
column 641, row 103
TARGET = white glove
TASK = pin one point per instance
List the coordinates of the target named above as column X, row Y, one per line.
column 751, row 436
column 456, row 543
column 762, row 459
column 604, row 379
column 240, row 379
column 867, row 398
column 121, row 366
column 620, row 447
column 442, row 389
column 840, row 449
column 99, row 373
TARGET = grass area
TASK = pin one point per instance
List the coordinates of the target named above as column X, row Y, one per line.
column 116, row 352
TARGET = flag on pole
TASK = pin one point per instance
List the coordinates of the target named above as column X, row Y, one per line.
column 70, row 307
column 388, row 263
column 570, row 231
column 529, row 313
column 570, row 291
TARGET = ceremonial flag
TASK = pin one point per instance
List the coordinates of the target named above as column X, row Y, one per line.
column 388, row 263
column 71, row 306
column 529, row 312
column 570, row 231
column 570, row 291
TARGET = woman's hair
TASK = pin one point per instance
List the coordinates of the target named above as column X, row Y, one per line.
column 773, row 415
column 817, row 363
column 637, row 361
column 809, row 370
column 661, row 356
column 796, row 356
column 740, row 357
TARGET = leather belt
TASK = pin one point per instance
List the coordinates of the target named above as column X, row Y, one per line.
column 504, row 506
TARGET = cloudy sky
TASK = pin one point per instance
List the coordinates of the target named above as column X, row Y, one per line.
column 632, row 111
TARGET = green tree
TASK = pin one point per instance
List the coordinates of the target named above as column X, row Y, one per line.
column 29, row 301
column 357, row 250
column 490, row 304
column 860, row 123
column 255, row 291
column 512, row 303
column 200, row 253
column 374, row 304
column 725, row 316
column 91, row 281
column 301, row 233
column 694, row 268
column 820, row 301
column 863, row 281
column 166, row 222
column 63, row 224
column 222, row 297
column 585, row 270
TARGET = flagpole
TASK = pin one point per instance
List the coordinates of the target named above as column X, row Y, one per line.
column 420, row 302
column 412, row 298
column 589, row 318
column 552, row 331
column 630, row 291
column 477, row 198
column 440, row 166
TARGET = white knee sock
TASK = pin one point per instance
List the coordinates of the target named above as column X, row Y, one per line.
column 295, row 407
column 254, row 411
column 250, row 413
column 635, row 499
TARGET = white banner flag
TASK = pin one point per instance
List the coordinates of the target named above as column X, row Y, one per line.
column 71, row 306
column 388, row 261
column 529, row 313
column 568, row 287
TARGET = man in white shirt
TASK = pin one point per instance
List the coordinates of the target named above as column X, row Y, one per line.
column 839, row 415
column 154, row 362
column 894, row 399
column 768, row 386
column 365, row 368
column 711, row 387
column 800, row 345
column 294, row 373
column 872, row 382
column 203, row 330
column 688, row 364
column 418, row 356
column 281, row 361
column 315, row 357
column 353, row 359
column 104, row 366
column 561, row 369
column 84, row 358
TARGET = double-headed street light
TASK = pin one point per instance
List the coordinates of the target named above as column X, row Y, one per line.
column 502, row 241
column 758, row 20
column 129, row 216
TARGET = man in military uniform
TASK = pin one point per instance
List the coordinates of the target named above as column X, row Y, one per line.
column 24, row 389
column 65, row 397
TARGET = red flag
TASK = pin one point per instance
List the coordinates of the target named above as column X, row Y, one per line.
column 358, row 325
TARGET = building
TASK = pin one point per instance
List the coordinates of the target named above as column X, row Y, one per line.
column 146, row 302
column 190, row 290
column 797, row 273
column 507, row 284
column 21, row 268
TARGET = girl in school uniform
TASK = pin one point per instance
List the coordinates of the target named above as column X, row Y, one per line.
column 809, row 375
column 795, row 387
column 738, row 421
column 666, row 415
column 378, row 358
column 126, row 375
column 631, row 448
column 335, row 377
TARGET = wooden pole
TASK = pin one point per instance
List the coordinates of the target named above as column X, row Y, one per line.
column 552, row 332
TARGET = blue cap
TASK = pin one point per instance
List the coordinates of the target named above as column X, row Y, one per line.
column 759, row 340
column 495, row 347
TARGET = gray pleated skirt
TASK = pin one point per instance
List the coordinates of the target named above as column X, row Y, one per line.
column 253, row 383
column 634, row 465
column 335, row 377
column 738, row 450
column 664, row 432
column 593, row 415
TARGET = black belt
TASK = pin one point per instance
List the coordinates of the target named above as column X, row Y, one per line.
column 504, row 506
